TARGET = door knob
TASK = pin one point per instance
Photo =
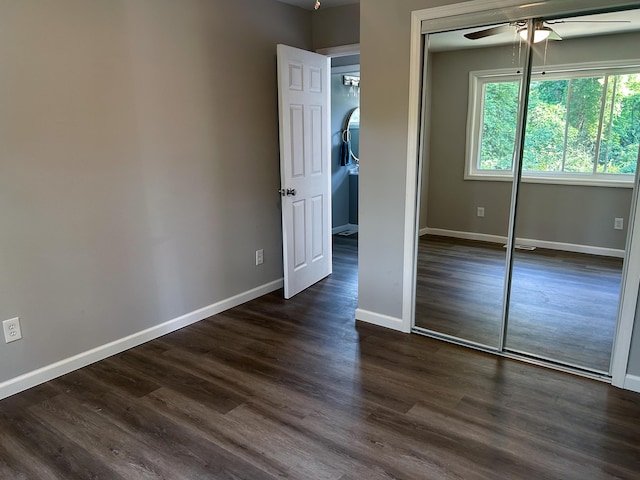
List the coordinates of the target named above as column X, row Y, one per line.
column 289, row 192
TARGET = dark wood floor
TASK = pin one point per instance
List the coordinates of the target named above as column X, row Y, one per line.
column 563, row 305
column 295, row 389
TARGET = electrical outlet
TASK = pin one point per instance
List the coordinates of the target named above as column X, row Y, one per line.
column 12, row 330
column 259, row 257
column 618, row 223
column 481, row 211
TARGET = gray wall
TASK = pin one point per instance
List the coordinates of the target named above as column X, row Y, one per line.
column 138, row 165
column 341, row 105
column 332, row 27
column 385, row 29
column 384, row 63
column 559, row 213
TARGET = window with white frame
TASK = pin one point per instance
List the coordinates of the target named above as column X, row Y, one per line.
column 583, row 125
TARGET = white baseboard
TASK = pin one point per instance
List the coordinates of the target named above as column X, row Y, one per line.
column 344, row 228
column 565, row 247
column 632, row 382
column 381, row 320
column 483, row 237
column 49, row 372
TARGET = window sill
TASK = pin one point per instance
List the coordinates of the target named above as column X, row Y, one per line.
column 578, row 180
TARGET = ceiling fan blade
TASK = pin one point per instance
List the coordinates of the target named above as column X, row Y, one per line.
column 489, row 32
column 587, row 21
column 554, row 35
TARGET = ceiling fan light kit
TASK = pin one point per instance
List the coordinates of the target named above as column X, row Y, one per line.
column 542, row 29
column 540, row 33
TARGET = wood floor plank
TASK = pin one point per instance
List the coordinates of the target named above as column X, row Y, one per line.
column 484, row 447
column 298, row 389
column 248, row 383
column 124, row 378
column 396, row 456
column 219, row 397
column 184, row 452
column 129, row 456
column 17, row 462
column 213, row 427
column 277, row 440
column 579, row 442
column 59, row 453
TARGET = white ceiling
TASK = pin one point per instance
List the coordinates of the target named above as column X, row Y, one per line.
column 308, row 4
column 456, row 40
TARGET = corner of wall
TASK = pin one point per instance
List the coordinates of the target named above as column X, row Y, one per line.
column 381, row 320
column 332, row 27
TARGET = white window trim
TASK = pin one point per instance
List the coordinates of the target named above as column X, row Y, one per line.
column 477, row 80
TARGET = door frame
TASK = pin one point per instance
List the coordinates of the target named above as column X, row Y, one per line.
column 440, row 18
column 341, row 50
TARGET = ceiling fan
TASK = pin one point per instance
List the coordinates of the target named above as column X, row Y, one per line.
column 542, row 30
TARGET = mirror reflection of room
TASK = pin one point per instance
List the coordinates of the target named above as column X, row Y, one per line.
column 345, row 139
column 460, row 280
column 580, row 155
column 583, row 132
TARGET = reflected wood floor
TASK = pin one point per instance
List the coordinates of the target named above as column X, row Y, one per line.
column 563, row 305
column 296, row 389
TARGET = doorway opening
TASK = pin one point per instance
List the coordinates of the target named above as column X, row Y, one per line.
column 345, row 161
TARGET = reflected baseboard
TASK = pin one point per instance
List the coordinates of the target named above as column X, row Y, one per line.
column 565, row 247
column 349, row 227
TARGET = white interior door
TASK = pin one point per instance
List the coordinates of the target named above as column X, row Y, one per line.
column 305, row 167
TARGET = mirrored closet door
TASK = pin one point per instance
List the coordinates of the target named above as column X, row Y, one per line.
column 528, row 166
column 579, row 162
column 461, row 258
